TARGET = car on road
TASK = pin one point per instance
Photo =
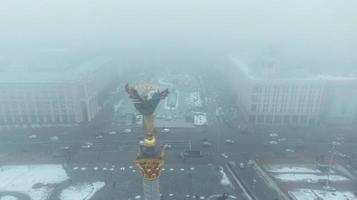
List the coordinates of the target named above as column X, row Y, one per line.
column 167, row 146
column 165, row 130
column 224, row 155
column 289, row 150
column 273, row 142
column 33, row 136
column 112, row 133
column 282, row 139
column 87, row 145
column 273, row 135
column 241, row 165
column 229, row 141
column 64, row 148
column 127, row 130
column 206, row 144
column 99, row 137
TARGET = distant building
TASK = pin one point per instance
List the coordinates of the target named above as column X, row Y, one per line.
column 271, row 96
column 54, row 96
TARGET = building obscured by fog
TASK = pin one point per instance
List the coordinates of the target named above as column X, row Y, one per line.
column 53, row 94
column 271, row 94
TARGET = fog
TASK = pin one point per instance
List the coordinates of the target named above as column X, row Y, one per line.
column 321, row 33
column 178, row 99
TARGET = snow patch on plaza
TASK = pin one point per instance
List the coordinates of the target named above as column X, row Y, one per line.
column 308, row 194
column 291, row 169
column 8, row 197
column 82, row 191
column 33, row 180
column 225, row 180
column 309, row 177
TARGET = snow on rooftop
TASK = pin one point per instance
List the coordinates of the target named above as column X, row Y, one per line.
column 291, row 169
column 308, row 177
column 308, row 194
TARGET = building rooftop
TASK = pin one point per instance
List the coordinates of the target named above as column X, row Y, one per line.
column 272, row 69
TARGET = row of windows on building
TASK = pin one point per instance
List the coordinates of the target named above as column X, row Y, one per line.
column 283, row 108
column 282, row 119
column 266, row 98
column 286, row 88
column 31, row 119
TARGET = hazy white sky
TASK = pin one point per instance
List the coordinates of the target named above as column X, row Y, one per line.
column 307, row 28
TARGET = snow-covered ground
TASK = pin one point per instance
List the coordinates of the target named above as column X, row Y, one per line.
column 38, row 182
column 225, row 180
column 309, row 177
column 32, row 180
column 308, row 194
column 8, row 198
column 291, row 169
column 82, row 191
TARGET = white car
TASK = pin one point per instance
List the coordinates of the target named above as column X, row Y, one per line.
column 290, row 150
column 128, row 130
column 241, row 165
column 165, row 130
column 112, row 132
column 167, row 146
column 273, row 142
column 33, row 136
column 87, row 145
column 282, row 139
column 99, row 136
column 273, row 135
column 229, row 141
column 224, row 155
column 64, row 148
column 207, row 144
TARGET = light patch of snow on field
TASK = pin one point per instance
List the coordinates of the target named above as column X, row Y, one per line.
column 291, row 169
column 307, row 194
column 8, row 197
column 309, row 177
column 21, row 178
column 82, row 191
column 225, row 180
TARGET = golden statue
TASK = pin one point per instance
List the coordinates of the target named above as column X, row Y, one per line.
column 150, row 157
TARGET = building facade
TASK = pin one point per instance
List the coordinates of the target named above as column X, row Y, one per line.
column 51, row 98
column 277, row 100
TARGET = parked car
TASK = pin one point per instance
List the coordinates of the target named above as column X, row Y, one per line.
column 224, row 155
column 165, row 130
column 127, row 130
column 273, row 142
column 87, row 145
column 229, row 141
column 206, row 144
